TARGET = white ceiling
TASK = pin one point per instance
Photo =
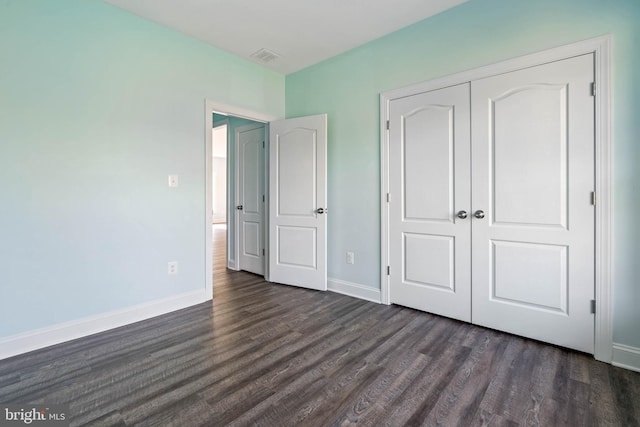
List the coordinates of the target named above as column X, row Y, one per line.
column 302, row 32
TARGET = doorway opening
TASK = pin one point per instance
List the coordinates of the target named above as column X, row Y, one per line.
column 219, row 150
column 220, row 244
column 219, row 175
column 227, row 185
column 298, row 155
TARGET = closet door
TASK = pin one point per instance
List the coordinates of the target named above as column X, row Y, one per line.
column 429, row 202
column 533, row 219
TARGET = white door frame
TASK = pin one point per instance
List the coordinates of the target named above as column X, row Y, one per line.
column 601, row 47
column 211, row 107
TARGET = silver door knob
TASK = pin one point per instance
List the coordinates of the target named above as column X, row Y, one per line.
column 239, row 207
column 462, row 214
column 479, row 214
column 319, row 211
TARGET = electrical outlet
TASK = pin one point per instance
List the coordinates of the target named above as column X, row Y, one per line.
column 172, row 267
column 173, row 181
column 350, row 258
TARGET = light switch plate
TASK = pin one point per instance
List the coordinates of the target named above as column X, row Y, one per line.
column 173, row 181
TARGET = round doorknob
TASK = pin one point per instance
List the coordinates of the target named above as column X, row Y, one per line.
column 239, row 207
column 479, row 214
column 319, row 211
column 462, row 214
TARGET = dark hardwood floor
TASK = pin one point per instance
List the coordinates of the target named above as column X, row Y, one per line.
column 274, row 355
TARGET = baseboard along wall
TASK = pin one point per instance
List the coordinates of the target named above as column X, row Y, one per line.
column 627, row 357
column 354, row 290
column 56, row 334
column 624, row 356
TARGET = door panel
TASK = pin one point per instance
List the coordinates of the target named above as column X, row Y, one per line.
column 301, row 255
column 296, row 160
column 547, row 274
column 533, row 174
column 297, row 218
column 250, row 164
column 428, row 191
column 429, row 183
column 252, row 237
column 439, row 250
column 529, row 161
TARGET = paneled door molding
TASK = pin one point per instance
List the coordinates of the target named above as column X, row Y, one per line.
column 601, row 48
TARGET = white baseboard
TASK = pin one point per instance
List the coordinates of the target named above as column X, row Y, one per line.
column 231, row 265
column 627, row 357
column 56, row 334
column 354, row 290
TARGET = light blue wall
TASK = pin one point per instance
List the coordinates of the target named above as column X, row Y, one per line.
column 97, row 107
column 477, row 33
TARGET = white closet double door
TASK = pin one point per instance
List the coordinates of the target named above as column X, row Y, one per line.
column 490, row 217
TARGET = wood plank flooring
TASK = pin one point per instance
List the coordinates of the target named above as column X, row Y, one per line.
column 274, row 355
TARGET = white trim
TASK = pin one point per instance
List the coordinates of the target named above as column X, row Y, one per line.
column 234, row 110
column 601, row 47
column 353, row 290
column 56, row 334
column 211, row 107
column 208, row 196
column 265, row 168
column 627, row 357
column 385, row 298
column 236, row 197
column 604, row 143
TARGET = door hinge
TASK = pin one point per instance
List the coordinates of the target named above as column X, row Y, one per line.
column 593, row 198
column 388, row 198
column 593, row 88
column 388, row 270
column 593, row 306
column 263, row 198
column 262, row 144
column 387, row 124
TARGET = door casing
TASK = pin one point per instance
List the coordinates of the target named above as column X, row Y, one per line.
column 601, row 47
column 210, row 107
column 231, row 110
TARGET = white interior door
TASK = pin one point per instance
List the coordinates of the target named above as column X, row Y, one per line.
column 297, row 202
column 429, row 230
column 533, row 174
column 250, row 197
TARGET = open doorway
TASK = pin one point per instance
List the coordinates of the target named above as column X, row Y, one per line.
column 222, row 111
column 219, row 208
column 294, row 175
column 233, row 246
column 219, row 179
